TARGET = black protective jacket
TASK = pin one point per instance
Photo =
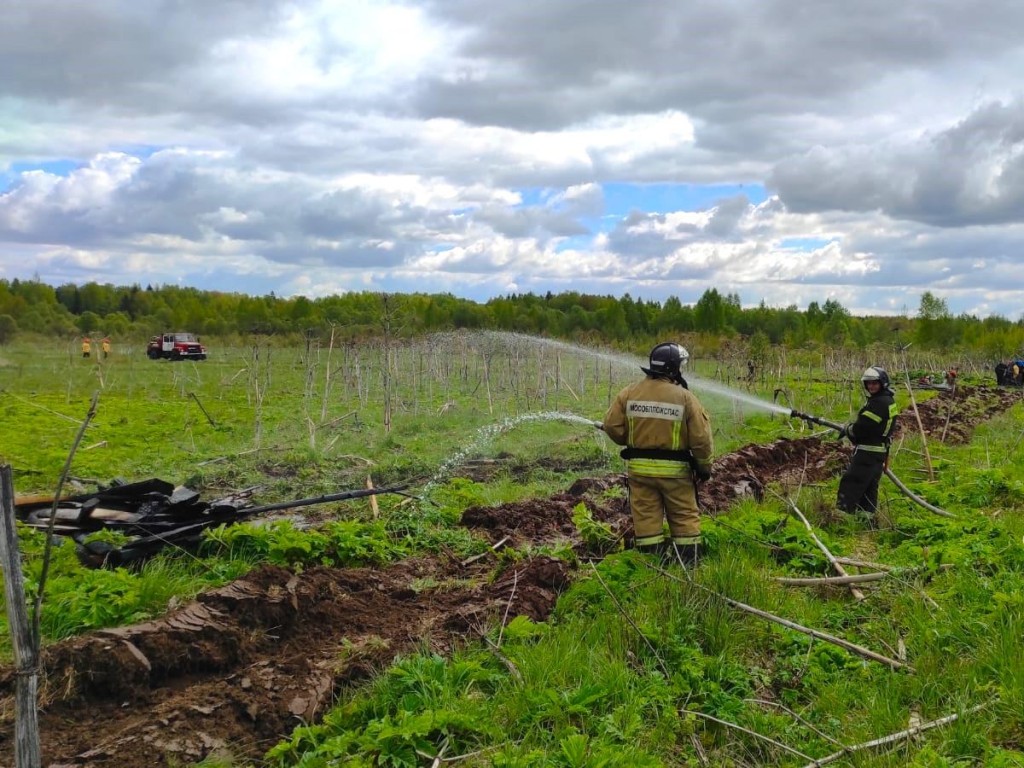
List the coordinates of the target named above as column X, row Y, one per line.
column 872, row 429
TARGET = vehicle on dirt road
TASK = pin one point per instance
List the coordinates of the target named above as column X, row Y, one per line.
column 175, row 346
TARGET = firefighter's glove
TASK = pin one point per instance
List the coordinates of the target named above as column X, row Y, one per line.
column 703, row 475
column 844, row 431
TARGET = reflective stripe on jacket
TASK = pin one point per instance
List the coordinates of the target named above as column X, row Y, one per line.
column 655, row 413
column 872, row 429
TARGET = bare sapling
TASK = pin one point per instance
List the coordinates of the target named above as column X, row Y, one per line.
column 100, row 377
column 357, row 377
column 487, row 384
column 557, row 378
column 311, row 363
column 917, row 415
column 345, row 371
column 259, row 383
column 387, row 317
column 417, row 381
column 542, row 383
column 209, row 418
column 25, row 632
column 512, row 360
column 464, row 372
column 23, row 643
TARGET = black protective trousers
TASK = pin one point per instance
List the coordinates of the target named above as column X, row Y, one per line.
column 858, row 489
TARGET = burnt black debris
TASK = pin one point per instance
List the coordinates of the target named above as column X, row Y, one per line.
column 151, row 514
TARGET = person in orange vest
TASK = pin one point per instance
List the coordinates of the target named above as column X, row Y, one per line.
column 86, row 346
column 106, row 346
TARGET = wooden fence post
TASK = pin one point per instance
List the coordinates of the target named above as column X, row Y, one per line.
column 26, row 652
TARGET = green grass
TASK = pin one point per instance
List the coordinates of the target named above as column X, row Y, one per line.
column 603, row 682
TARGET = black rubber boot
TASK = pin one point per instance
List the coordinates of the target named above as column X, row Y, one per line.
column 688, row 554
column 655, row 550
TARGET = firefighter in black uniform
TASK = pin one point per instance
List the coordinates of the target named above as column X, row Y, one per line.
column 1002, row 370
column 870, row 433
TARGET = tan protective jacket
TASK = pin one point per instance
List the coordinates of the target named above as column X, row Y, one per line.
column 655, row 413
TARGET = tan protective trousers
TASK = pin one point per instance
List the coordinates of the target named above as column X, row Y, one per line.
column 653, row 499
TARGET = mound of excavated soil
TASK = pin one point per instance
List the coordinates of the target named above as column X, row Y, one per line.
column 241, row 666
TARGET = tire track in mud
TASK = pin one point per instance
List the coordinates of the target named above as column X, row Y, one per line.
column 241, row 666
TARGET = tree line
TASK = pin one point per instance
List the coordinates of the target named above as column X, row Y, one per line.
column 31, row 306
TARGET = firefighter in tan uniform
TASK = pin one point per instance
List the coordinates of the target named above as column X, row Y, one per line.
column 668, row 450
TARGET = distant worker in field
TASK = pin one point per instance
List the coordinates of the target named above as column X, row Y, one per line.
column 1002, row 372
column 668, row 451
column 86, row 346
column 1018, row 373
column 870, row 433
column 105, row 344
column 951, row 375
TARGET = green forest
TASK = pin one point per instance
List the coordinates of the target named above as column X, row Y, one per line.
column 31, row 306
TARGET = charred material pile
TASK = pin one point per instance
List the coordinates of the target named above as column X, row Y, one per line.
column 150, row 514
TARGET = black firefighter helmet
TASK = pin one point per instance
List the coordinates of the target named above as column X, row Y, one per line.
column 667, row 360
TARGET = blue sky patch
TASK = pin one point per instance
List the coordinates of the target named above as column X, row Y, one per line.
column 621, row 198
column 57, row 167
column 805, row 243
column 576, row 242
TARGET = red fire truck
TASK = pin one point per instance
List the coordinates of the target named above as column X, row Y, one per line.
column 175, row 346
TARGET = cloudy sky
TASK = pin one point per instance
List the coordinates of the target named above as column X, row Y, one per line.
column 784, row 150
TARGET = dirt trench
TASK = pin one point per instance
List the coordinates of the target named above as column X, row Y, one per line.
column 239, row 667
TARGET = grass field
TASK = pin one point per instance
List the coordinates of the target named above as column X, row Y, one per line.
column 634, row 668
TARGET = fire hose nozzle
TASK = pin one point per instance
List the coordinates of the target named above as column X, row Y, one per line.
column 816, row 420
column 598, row 425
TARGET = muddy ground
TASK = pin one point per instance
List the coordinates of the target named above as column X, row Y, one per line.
column 241, row 666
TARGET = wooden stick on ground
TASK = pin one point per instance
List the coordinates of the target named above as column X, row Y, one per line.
column 893, row 737
column 864, row 564
column 856, row 578
column 698, row 748
column 828, row 554
column 497, row 545
column 747, row 731
column 852, row 647
column 799, row 719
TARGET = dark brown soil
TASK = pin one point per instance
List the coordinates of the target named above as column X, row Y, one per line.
column 241, row 666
